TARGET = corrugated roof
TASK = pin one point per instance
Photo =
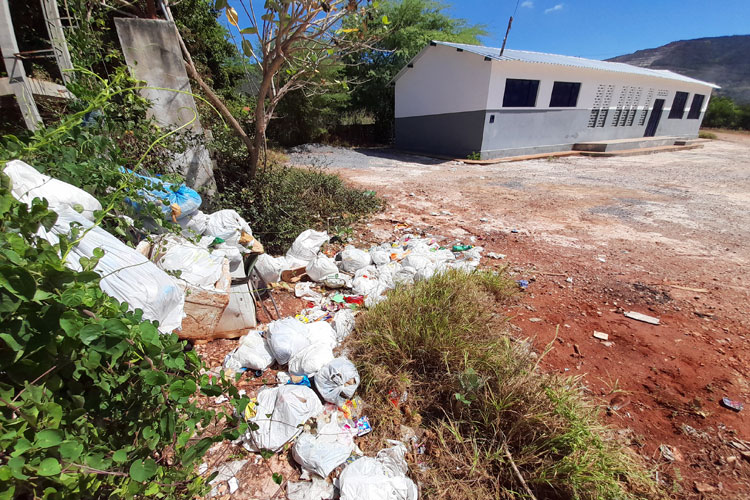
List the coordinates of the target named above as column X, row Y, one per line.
column 578, row 62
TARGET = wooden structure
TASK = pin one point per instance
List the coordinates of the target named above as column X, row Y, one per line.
column 17, row 83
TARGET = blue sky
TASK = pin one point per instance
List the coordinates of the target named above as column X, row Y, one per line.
column 598, row 29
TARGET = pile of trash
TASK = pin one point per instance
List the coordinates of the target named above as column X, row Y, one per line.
column 314, row 405
column 156, row 276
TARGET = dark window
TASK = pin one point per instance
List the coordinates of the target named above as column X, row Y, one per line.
column 520, row 93
column 695, row 107
column 564, row 95
column 678, row 105
column 492, row 118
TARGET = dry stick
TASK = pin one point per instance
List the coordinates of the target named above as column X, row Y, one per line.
column 518, row 473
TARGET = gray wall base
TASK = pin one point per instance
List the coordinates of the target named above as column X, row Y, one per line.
column 532, row 150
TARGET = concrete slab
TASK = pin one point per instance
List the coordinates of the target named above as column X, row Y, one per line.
column 624, row 144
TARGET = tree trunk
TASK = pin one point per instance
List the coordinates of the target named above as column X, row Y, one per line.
column 260, row 135
column 216, row 102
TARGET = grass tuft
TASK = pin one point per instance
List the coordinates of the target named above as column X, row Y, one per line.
column 475, row 390
column 707, row 135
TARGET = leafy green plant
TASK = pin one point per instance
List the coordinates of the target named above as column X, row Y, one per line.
column 93, row 400
column 474, row 155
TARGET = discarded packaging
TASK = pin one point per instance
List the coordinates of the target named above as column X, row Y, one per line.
column 305, row 248
column 227, row 225
column 310, row 360
column 732, row 405
column 318, row 489
column 253, row 353
column 642, row 317
column 337, row 381
column 324, row 451
column 287, row 337
column 270, row 268
column 353, row 259
column 601, row 335
column 321, row 267
column 382, row 478
column 29, row 183
column 289, row 406
column 343, row 324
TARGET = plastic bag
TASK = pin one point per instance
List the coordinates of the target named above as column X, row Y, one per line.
column 337, row 381
column 417, row 261
column 127, row 275
column 289, row 406
column 286, row 337
column 321, row 332
column 318, row 489
column 227, row 225
column 322, row 452
column 253, row 353
column 377, row 479
column 270, row 268
column 195, row 223
column 303, row 290
column 179, row 203
column 305, row 248
column 379, row 256
column 321, row 267
column 310, row 360
column 28, row 184
column 197, row 266
column 343, row 324
column 353, row 259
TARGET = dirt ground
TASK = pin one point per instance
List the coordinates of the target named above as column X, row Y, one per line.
column 663, row 234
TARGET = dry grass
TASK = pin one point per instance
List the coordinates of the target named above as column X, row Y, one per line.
column 475, row 390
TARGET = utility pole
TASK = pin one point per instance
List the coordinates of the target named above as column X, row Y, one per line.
column 510, row 22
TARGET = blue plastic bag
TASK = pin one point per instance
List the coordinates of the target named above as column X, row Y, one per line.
column 161, row 193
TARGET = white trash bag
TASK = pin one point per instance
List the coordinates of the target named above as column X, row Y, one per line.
column 379, row 256
column 321, row 267
column 127, row 275
column 289, row 406
column 197, row 266
column 196, row 223
column 321, row 332
column 286, row 337
column 270, row 268
column 227, row 225
column 253, row 353
column 310, row 360
column 353, row 259
column 343, row 324
column 29, row 183
column 305, row 247
column 322, row 452
column 378, row 478
column 318, row 489
column 337, row 381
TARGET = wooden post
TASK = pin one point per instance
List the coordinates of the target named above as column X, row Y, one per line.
column 57, row 38
column 17, row 79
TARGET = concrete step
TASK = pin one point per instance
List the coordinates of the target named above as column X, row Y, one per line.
column 639, row 151
column 690, row 142
column 624, row 144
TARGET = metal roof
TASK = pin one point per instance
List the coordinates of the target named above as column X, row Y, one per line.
column 578, row 62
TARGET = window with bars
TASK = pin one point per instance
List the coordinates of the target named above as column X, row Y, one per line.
column 678, row 105
column 564, row 95
column 520, row 93
column 695, row 107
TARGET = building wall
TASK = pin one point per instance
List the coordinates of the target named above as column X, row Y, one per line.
column 441, row 100
column 542, row 129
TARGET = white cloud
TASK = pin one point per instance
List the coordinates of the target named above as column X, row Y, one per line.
column 554, row 9
column 528, row 4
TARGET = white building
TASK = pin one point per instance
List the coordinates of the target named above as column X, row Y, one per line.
column 455, row 99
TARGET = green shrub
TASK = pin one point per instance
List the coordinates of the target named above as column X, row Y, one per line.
column 481, row 399
column 283, row 201
column 93, row 400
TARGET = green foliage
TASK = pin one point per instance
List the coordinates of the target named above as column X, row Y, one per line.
column 474, row 155
column 722, row 112
column 281, row 202
column 412, row 24
column 480, row 392
column 94, row 402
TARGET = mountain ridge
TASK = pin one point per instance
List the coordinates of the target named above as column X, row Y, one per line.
column 721, row 60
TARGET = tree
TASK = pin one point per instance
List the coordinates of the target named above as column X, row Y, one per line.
column 721, row 113
column 413, row 24
column 297, row 41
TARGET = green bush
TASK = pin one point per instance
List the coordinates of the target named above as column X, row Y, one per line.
column 283, row 201
column 93, row 400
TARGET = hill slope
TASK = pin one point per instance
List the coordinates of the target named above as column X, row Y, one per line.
column 721, row 60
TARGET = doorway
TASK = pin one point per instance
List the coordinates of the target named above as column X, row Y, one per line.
column 653, row 121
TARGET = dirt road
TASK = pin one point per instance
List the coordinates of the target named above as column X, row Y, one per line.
column 665, row 235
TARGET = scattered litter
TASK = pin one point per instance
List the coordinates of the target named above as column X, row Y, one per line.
column 523, row 284
column 608, row 343
column 535, row 320
column 318, row 489
column 353, row 259
column 601, row 258
column 732, row 405
column 514, row 231
column 305, row 248
column 252, row 353
column 493, row 255
column 601, row 335
column 363, row 426
column 446, row 212
column 178, row 203
column 666, row 453
column 286, row 337
column 337, row 381
column 569, row 279
column 434, row 214
column 483, row 219
column 412, row 194
column 233, row 484
column 381, row 478
column 321, row 267
column 270, row 268
column 325, row 450
column 642, row 317
column 303, row 290
column 343, row 324
column 221, row 399
column 289, row 407
column 461, row 248
column 225, row 473
column 310, row 359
